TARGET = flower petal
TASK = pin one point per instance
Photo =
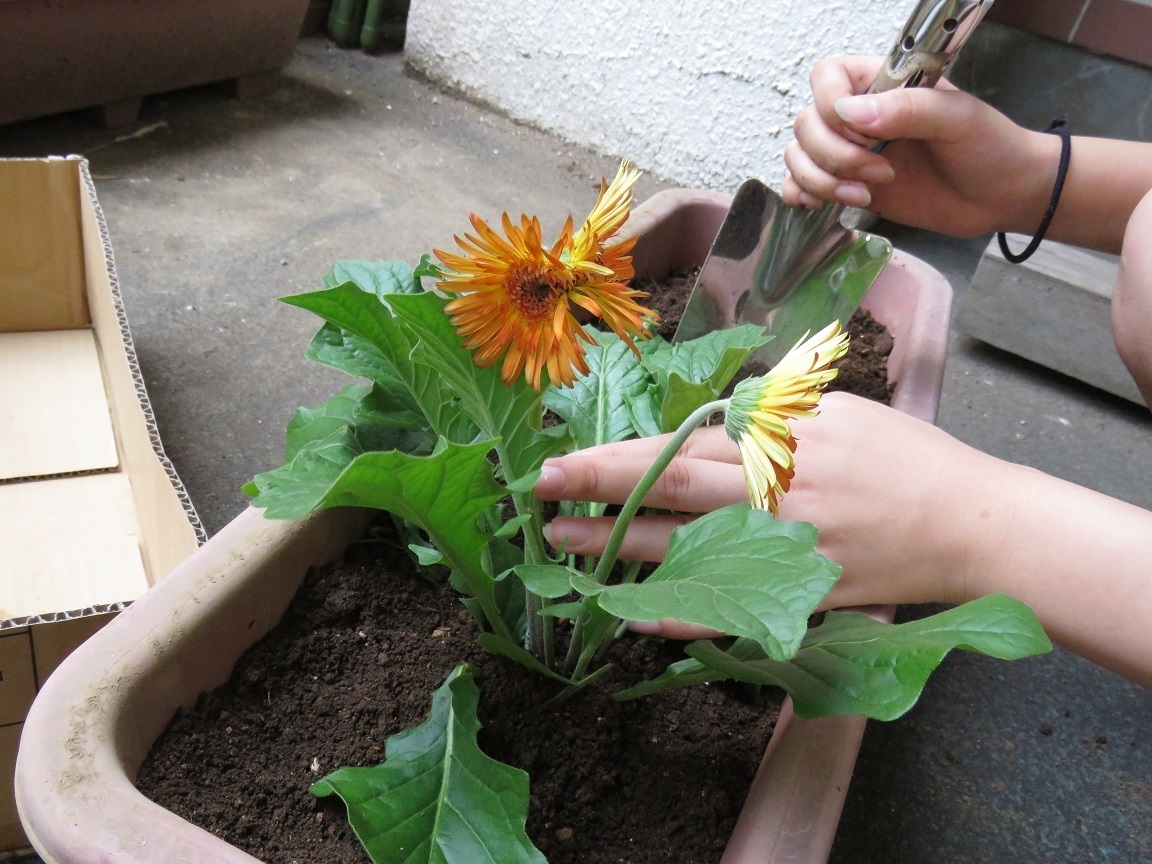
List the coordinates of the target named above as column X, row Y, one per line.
column 514, row 296
column 760, row 409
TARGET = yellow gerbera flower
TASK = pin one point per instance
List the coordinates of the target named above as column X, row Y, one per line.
column 516, row 297
column 761, row 407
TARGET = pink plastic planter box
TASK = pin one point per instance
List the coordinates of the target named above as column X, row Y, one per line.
column 98, row 715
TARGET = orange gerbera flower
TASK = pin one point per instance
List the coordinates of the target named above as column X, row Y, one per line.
column 516, row 297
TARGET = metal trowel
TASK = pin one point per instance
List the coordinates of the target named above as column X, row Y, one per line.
column 791, row 269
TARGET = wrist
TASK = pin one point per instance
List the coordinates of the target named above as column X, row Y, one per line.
column 968, row 526
column 1035, row 175
column 981, row 542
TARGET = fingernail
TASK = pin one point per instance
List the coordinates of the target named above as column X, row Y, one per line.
column 852, row 194
column 573, row 536
column 551, row 480
column 860, row 110
column 880, row 172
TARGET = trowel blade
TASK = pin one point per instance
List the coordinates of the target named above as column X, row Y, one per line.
column 785, row 268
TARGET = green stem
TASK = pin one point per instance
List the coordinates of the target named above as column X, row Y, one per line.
column 533, row 603
column 485, row 599
column 539, row 643
column 588, row 565
column 575, row 644
column 631, row 507
column 636, row 499
column 582, row 664
column 539, row 633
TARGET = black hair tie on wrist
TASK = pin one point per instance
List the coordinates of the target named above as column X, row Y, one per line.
column 1060, row 127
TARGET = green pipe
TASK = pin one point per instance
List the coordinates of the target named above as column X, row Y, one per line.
column 371, row 35
column 345, row 21
column 384, row 24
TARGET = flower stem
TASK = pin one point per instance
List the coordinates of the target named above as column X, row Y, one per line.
column 539, row 635
column 598, row 642
column 575, row 640
column 636, row 499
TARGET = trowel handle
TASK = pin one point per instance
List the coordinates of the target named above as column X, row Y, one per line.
column 932, row 37
column 929, row 42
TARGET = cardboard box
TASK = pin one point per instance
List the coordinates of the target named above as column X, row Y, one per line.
column 91, row 512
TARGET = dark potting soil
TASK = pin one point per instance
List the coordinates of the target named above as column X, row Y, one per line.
column 863, row 370
column 356, row 659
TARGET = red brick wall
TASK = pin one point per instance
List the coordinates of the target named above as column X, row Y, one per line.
column 1122, row 28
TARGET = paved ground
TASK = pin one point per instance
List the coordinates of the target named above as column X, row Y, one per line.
column 218, row 207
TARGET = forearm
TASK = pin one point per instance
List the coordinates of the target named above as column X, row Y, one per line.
column 1078, row 558
column 1106, row 180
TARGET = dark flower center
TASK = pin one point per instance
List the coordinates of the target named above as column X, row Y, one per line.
column 535, row 292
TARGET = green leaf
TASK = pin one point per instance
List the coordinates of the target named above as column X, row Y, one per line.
column 736, row 570
column 525, row 482
column 509, row 590
column 712, row 359
column 395, row 407
column 688, row 374
column 502, row 647
column 437, row 797
column 315, row 423
column 427, row 267
column 412, row 333
column 684, row 673
column 681, row 398
column 599, row 625
column 696, row 372
column 347, row 352
column 375, row 277
column 288, row 492
column 509, row 528
column 547, row 580
column 853, row 664
column 644, row 411
column 369, row 319
column 392, row 395
column 512, row 413
column 444, row 493
column 370, row 425
column 426, row 556
column 596, row 405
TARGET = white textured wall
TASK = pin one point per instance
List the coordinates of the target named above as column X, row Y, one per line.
column 700, row 93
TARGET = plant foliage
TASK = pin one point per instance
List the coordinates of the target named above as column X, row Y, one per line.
column 453, row 452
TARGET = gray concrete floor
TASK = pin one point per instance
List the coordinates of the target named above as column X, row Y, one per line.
column 217, row 207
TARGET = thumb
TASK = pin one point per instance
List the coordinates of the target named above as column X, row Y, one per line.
column 911, row 112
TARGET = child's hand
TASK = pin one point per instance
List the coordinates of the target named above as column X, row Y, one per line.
column 884, row 490
column 953, row 164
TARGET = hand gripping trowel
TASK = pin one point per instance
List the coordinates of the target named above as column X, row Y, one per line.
column 791, row 269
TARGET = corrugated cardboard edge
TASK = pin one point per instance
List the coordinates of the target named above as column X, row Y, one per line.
column 145, row 405
column 134, row 362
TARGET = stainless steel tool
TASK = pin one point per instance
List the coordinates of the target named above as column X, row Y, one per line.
column 789, row 268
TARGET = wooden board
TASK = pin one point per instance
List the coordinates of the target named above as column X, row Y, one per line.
column 1054, row 309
